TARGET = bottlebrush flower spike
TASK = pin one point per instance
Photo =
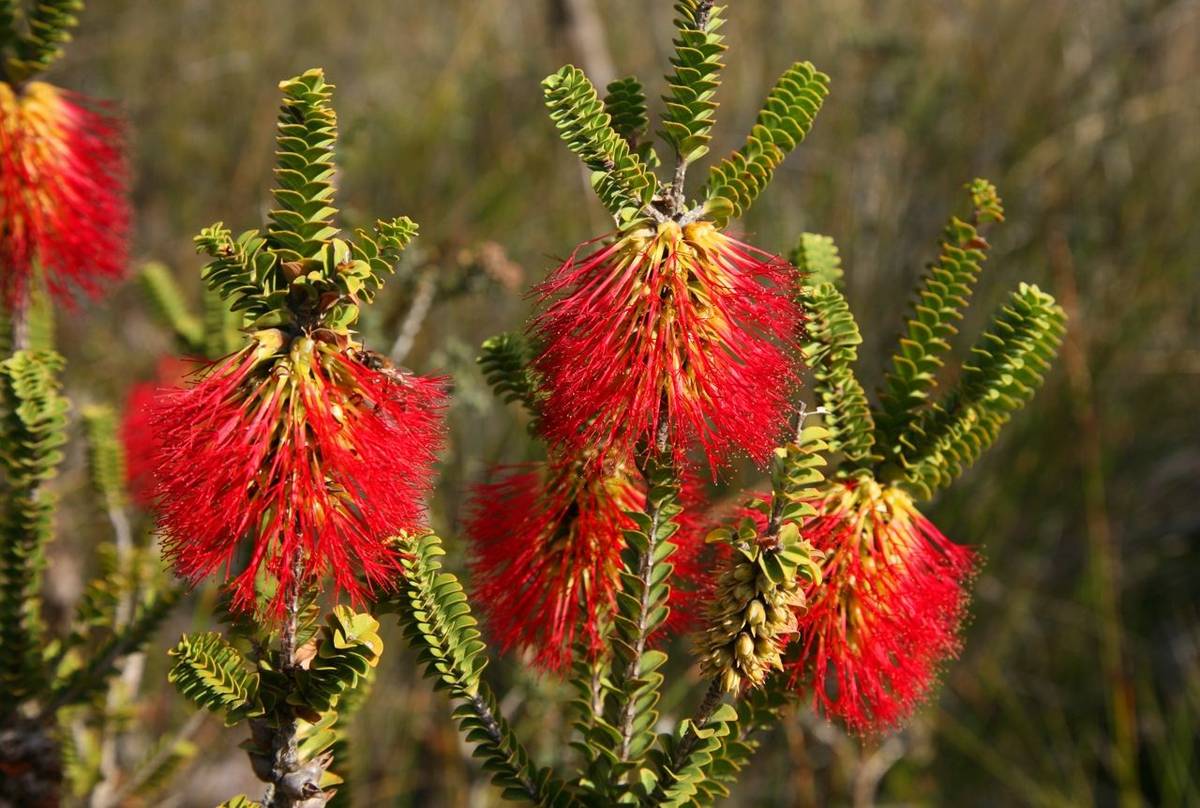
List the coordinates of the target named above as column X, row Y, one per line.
column 675, row 326
column 547, row 543
column 63, row 206
column 303, row 454
column 888, row 611
column 295, row 458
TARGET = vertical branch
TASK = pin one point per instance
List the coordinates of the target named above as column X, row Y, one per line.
column 641, row 628
column 687, row 744
column 130, row 668
column 284, row 740
column 584, row 29
column 19, row 320
column 641, row 609
column 414, row 318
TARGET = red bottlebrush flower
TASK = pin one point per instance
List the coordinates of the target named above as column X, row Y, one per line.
column 310, row 460
column 682, row 327
column 63, row 203
column 888, row 611
column 138, row 433
column 547, row 542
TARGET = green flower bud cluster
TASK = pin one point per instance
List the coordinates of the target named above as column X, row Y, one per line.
column 752, row 616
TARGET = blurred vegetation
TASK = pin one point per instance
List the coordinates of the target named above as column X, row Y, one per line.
column 1080, row 682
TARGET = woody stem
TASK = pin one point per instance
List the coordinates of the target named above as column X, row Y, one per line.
column 284, row 738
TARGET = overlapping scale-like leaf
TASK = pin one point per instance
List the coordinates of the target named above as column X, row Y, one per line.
column 787, row 116
column 48, row 28
column 944, row 293
column 832, row 352
column 438, row 623
column 692, row 86
column 33, row 423
column 1008, row 366
column 212, row 674
column 622, row 181
column 348, row 647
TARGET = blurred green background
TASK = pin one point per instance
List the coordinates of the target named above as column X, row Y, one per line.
column 1080, row 682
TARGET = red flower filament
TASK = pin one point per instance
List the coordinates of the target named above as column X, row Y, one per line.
column 681, row 325
column 548, row 540
column 62, row 192
column 138, row 433
column 312, row 461
column 888, row 612
column 547, row 555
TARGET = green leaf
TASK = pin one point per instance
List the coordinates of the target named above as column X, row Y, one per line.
column 300, row 271
column 944, row 292
column 159, row 766
column 302, row 221
column 625, row 103
column 622, row 181
column 692, row 86
column 817, row 258
column 438, row 624
column 348, row 647
column 166, row 300
column 83, row 684
column 241, row 272
column 213, row 674
column 48, row 28
column 1007, row 367
column 376, row 254
column 832, row 352
column 756, row 710
column 9, row 12
column 240, row 801
column 222, row 327
column 33, row 422
column 630, row 702
column 787, row 116
column 505, row 360
column 106, row 456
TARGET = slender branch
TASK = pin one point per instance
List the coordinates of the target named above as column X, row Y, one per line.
column 118, row 646
column 872, row 770
column 20, row 327
column 596, row 687
column 415, row 316
column 131, row 667
column 676, row 199
column 492, row 727
column 284, row 737
column 195, row 721
column 687, row 744
column 657, row 454
column 770, row 536
column 645, row 568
